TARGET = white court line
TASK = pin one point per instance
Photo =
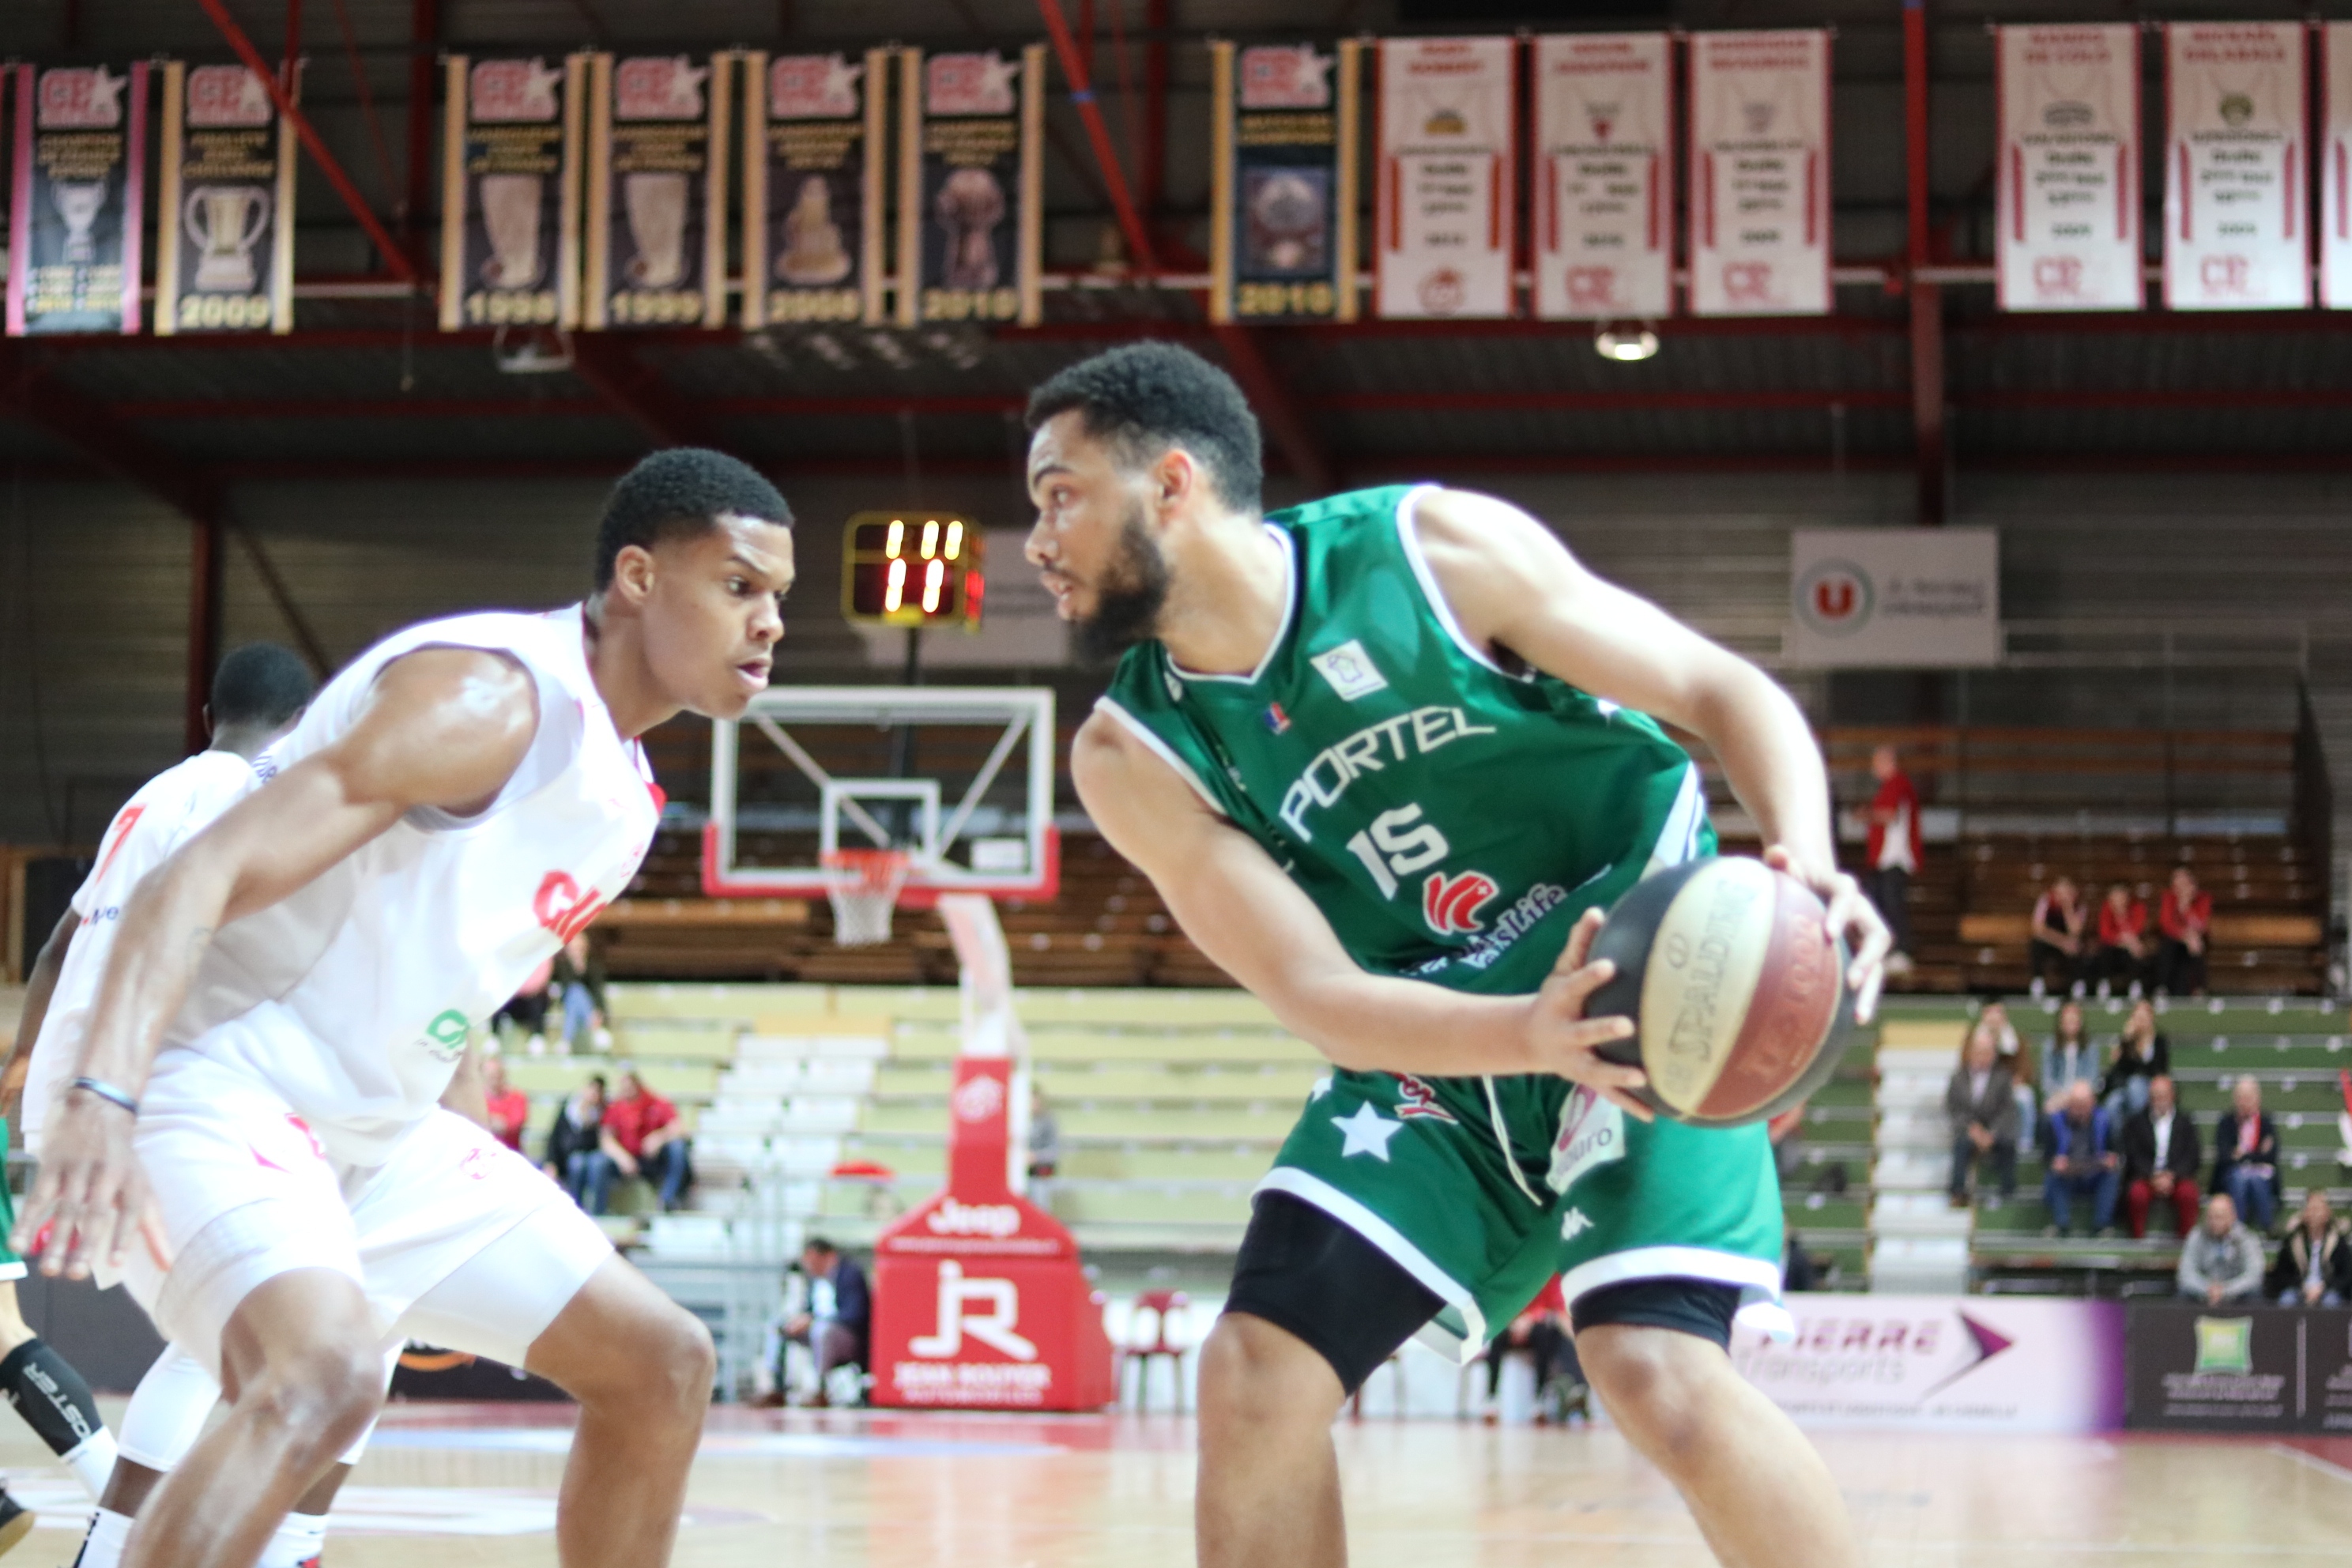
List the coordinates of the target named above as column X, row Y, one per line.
column 2327, row 1467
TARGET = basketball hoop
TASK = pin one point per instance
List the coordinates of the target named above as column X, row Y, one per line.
column 863, row 886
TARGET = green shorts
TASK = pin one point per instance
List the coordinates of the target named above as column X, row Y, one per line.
column 1482, row 1189
column 11, row 1266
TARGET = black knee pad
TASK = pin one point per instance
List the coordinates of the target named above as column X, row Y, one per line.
column 1305, row 1272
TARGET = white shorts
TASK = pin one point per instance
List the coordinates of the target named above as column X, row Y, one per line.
column 244, row 1193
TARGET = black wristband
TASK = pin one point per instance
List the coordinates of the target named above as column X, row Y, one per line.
column 108, row 1092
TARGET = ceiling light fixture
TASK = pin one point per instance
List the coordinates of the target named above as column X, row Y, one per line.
column 1614, row 343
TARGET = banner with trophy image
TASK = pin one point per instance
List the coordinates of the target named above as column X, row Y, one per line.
column 1282, row 210
column 2236, row 187
column 1448, row 191
column 1759, row 173
column 658, row 146
column 511, row 193
column 814, row 128
column 78, row 199
column 1604, row 196
column 971, row 186
column 225, row 220
column 2068, row 171
column 2335, row 165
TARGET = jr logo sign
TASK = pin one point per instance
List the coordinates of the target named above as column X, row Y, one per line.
column 998, row 1304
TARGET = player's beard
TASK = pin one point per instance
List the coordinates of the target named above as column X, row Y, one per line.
column 1132, row 591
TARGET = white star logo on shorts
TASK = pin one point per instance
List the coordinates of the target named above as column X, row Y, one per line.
column 1367, row 1132
column 1322, row 1087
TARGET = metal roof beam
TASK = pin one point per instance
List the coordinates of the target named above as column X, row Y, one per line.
column 604, row 365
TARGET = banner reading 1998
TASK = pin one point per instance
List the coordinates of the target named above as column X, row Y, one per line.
column 510, row 193
column 813, row 180
column 657, row 150
column 1604, row 198
column 1448, row 131
column 1282, row 204
column 225, row 237
column 2236, row 175
column 1759, row 180
column 78, row 199
column 972, row 212
column 2068, row 175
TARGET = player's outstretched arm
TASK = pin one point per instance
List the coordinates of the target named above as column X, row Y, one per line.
column 1512, row 584
column 1236, row 904
column 442, row 726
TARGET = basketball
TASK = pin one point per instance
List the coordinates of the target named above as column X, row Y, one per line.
column 1739, row 1002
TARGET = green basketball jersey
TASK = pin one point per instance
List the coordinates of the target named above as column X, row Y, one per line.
column 1450, row 816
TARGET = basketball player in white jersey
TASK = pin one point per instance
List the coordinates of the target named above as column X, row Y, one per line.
column 280, row 1190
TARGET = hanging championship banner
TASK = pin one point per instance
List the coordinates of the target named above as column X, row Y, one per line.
column 1282, row 207
column 1759, row 173
column 1604, row 195
column 2068, row 173
column 812, row 168
column 225, row 224
column 2235, row 187
column 1448, row 132
column 78, row 199
column 657, row 251
column 971, row 212
column 2336, row 170
column 511, row 193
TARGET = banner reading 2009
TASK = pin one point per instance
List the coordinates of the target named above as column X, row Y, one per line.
column 656, row 191
column 2068, row 175
column 510, row 193
column 971, row 208
column 224, row 238
column 1446, row 198
column 812, row 168
column 2235, row 180
column 1282, row 204
column 78, row 197
column 1604, row 198
column 1760, row 179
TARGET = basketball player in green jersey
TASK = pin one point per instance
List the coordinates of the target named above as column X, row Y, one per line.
column 1387, row 757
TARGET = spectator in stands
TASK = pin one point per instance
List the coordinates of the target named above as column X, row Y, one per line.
column 2017, row 1058
column 2184, row 923
column 2068, row 1059
column 1044, row 1149
column 2059, row 946
column 2314, row 1268
column 510, row 1108
column 837, row 1324
column 2221, row 1261
column 642, row 1136
column 2245, row 1155
column 574, row 1156
column 527, row 1009
column 2123, row 958
column 1983, row 1117
column 1540, row 1332
column 2162, row 1160
column 2083, row 1162
column 578, row 983
column 1893, row 852
column 2141, row 1053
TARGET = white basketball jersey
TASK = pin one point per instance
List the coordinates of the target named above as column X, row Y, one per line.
column 168, row 810
column 356, row 996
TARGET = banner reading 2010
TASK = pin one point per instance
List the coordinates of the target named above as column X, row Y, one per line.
column 971, row 208
column 1759, row 173
column 1282, row 202
column 2236, row 180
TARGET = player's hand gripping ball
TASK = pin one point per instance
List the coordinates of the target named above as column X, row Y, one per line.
column 1735, row 987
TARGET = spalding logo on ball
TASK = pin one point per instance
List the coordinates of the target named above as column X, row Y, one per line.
column 1737, row 993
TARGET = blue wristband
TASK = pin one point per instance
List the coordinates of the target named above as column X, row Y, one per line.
column 108, row 1092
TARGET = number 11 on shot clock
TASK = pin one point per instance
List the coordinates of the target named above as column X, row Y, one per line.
column 913, row 567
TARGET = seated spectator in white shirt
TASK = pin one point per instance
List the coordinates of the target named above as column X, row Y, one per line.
column 2314, row 1268
column 2221, row 1261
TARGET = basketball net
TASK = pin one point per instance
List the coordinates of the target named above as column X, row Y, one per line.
column 863, row 886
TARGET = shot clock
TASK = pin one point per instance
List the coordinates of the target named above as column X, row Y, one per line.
column 912, row 568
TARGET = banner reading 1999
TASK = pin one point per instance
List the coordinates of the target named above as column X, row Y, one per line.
column 510, row 193
column 657, row 254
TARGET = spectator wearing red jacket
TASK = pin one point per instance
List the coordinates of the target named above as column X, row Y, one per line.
column 2184, row 923
column 1892, row 854
column 2124, row 955
column 642, row 1137
column 510, row 1108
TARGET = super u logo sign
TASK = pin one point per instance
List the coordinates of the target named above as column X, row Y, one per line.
column 1834, row 598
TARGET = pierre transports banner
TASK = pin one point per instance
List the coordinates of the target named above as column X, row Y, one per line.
column 1604, row 198
column 813, row 127
column 1448, row 182
column 1943, row 1364
column 78, row 200
column 1282, row 207
column 657, row 143
column 2068, row 174
column 511, row 193
column 971, row 166
column 2237, row 169
column 1894, row 598
column 2335, row 169
column 225, row 230
column 1759, row 173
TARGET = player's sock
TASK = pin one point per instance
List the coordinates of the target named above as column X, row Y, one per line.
column 297, row 1542
column 109, row 1532
column 55, row 1404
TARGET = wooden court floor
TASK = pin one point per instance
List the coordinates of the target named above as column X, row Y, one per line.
column 455, row 1487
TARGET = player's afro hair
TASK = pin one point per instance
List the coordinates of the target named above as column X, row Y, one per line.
column 680, row 492
column 262, row 684
column 1146, row 397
